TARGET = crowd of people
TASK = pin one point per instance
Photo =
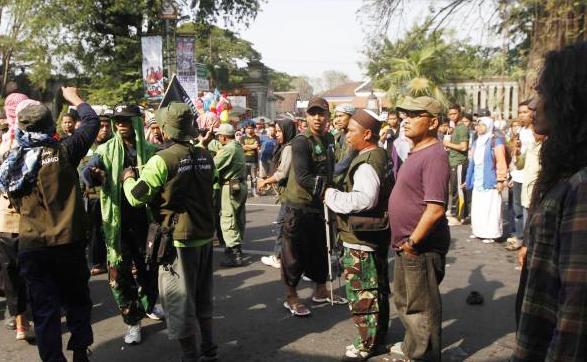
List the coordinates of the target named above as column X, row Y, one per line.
column 144, row 194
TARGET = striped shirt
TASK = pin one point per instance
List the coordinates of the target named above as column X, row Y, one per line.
column 553, row 321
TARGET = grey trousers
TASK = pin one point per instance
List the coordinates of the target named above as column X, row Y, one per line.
column 417, row 300
column 186, row 295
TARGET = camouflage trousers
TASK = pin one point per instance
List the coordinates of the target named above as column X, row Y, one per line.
column 134, row 288
column 367, row 290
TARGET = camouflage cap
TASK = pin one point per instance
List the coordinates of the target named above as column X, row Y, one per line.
column 35, row 118
column 428, row 104
column 177, row 121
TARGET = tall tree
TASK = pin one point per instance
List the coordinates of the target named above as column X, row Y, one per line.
column 529, row 27
column 302, row 85
column 334, row 78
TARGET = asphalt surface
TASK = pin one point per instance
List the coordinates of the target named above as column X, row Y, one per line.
column 252, row 325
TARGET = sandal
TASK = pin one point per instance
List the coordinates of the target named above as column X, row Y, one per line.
column 297, row 309
column 512, row 247
column 337, row 300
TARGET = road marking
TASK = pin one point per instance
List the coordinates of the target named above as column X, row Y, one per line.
column 274, row 205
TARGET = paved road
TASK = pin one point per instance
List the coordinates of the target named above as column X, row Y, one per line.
column 252, row 325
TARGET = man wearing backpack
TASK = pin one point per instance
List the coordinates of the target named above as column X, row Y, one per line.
column 168, row 182
column 361, row 209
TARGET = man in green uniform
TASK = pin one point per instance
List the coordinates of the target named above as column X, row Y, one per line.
column 230, row 163
column 361, row 209
column 342, row 117
column 458, row 147
column 251, row 144
column 125, row 228
column 304, row 235
column 168, row 181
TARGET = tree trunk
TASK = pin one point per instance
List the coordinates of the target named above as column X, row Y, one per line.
column 557, row 24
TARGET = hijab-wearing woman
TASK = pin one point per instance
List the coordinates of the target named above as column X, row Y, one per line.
column 486, row 176
column 285, row 131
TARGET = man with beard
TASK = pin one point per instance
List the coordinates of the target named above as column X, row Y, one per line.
column 125, row 228
column 304, row 238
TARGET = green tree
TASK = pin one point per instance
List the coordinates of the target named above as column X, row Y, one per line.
column 223, row 52
column 96, row 42
column 529, row 28
column 424, row 60
column 281, row 82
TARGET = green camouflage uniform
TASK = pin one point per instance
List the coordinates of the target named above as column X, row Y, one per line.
column 362, row 293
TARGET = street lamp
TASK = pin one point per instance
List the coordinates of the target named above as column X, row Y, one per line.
column 372, row 103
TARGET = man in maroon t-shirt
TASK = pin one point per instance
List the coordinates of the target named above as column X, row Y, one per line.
column 420, row 233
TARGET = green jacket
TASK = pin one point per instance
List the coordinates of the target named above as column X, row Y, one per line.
column 230, row 162
column 167, row 182
column 111, row 154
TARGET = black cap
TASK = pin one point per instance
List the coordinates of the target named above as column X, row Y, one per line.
column 127, row 111
column 482, row 112
column 318, row 102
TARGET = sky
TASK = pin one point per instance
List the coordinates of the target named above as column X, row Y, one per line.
column 308, row 37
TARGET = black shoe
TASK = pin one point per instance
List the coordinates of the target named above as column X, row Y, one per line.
column 80, row 355
column 233, row 258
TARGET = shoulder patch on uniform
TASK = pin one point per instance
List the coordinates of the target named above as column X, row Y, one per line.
column 140, row 190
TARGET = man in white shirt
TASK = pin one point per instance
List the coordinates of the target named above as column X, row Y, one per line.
column 526, row 141
column 361, row 209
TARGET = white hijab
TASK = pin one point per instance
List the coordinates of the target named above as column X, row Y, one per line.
column 482, row 140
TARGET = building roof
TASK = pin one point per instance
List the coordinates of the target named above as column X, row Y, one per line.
column 286, row 101
column 343, row 90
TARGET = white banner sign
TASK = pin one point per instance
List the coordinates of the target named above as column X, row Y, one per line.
column 186, row 65
column 152, row 47
column 240, row 101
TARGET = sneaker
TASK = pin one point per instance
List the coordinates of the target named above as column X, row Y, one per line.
column 353, row 354
column 157, row 313
column 271, row 260
column 23, row 334
column 453, row 221
column 10, row 324
column 488, row 241
column 133, row 334
column 397, row 348
column 305, row 278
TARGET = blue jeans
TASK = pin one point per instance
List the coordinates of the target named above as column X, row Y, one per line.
column 57, row 277
column 518, row 211
column 279, row 226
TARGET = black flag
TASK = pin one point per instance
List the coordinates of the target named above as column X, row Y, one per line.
column 176, row 93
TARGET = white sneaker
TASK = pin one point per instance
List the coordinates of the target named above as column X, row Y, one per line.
column 271, row 260
column 157, row 313
column 353, row 353
column 133, row 334
column 305, row 278
column 488, row 241
column 397, row 348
